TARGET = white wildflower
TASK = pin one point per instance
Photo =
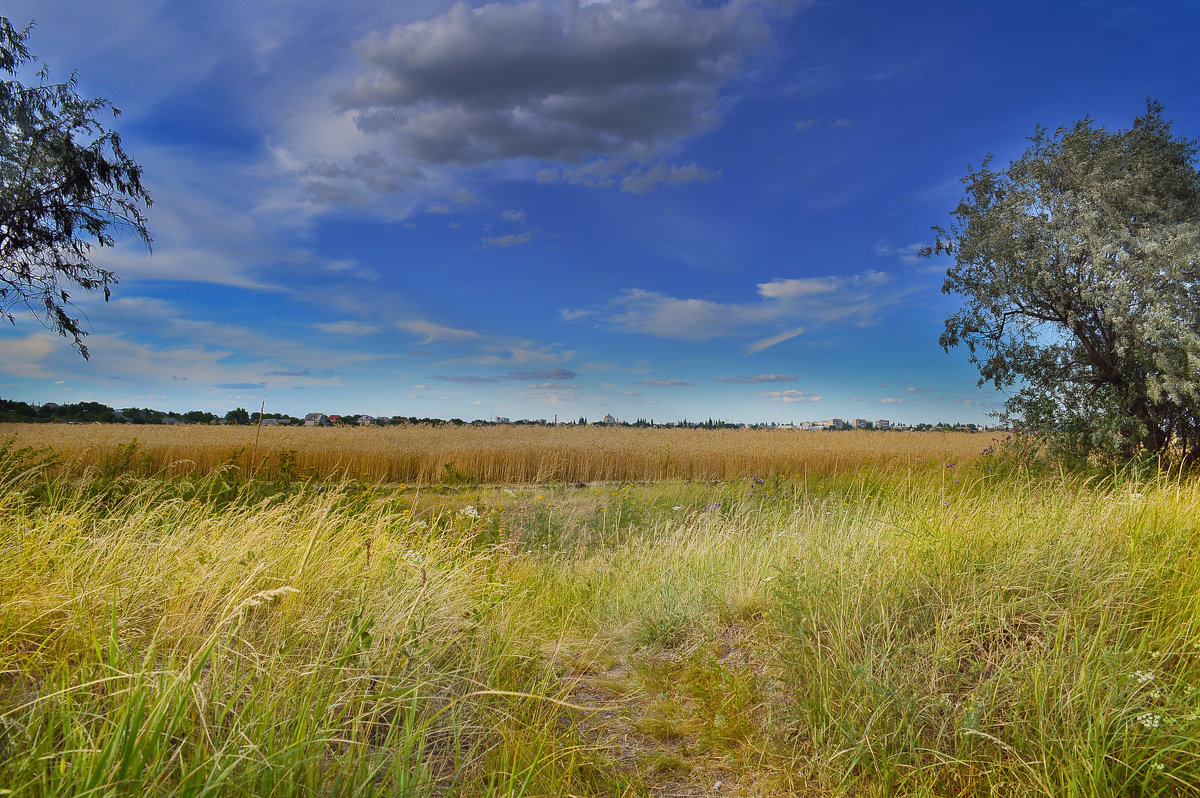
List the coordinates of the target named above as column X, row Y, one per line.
column 1149, row 719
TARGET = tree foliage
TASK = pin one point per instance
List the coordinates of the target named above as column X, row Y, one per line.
column 1080, row 265
column 66, row 187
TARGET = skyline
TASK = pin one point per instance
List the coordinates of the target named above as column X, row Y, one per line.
column 651, row 209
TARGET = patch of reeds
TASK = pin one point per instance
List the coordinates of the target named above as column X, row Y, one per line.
column 495, row 454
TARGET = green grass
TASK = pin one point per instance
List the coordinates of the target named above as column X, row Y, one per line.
column 943, row 632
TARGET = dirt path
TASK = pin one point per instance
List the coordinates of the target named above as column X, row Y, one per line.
column 652, row 722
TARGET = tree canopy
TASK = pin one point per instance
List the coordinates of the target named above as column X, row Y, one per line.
column 1080, row 266
column 66, row 187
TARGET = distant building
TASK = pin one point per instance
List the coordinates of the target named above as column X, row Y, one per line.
column 271, row 422
column 172, row 421
column 503, row 420
column 609, row 420
column 861, row 423
column 366, row 421
column 316, row 420
column 882, row 423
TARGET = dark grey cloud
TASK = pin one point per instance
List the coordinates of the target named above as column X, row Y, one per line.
column 242, row 386
column 287, row 373
column 556, row 81
column 759, row 378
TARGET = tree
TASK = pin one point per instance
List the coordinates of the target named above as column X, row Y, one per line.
column 66, row 188
column 238, row 416
column 1080, row 264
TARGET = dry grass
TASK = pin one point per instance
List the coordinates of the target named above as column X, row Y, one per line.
column 495, row 454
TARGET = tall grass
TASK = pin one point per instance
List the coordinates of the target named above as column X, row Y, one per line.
column 937, row 631
column 319, row 643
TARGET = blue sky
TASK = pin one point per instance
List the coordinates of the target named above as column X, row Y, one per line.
column 650, row 208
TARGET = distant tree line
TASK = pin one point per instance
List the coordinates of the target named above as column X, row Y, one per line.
column 95, row 412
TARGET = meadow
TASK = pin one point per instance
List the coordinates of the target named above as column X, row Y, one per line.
column 926, row 619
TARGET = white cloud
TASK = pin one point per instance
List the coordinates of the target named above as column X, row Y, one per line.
column 514, row 216
column 800, row 288
column 759, row 378
column 569, row 314
column 436, row 332
column 511, row 240
column 772, row 340
column 660, row 173
column 909, row 254
column 798, row 303
column 791, row 395
column 351, row 328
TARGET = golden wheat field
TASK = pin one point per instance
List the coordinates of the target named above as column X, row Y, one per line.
column 494, row 454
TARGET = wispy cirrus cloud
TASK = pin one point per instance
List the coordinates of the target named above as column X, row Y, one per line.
column 348, row 327
column 789, row 396
column 477, row 379
column 795, row 304
column 664, row 383
column 772, row 340
column 433, row 331
column 510, row 240
column 910, row 253
column 241, row 386
column 759, row 378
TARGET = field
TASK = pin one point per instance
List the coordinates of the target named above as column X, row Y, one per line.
column 493, row 454
column 873, row 615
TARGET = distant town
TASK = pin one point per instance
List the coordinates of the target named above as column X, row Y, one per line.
column 12, row 411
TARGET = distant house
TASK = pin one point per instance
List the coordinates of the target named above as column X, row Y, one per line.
column 316, row 420
column 271, row 422
column 367, row 421
column 882, row 423
column 609, row 420
column 172, row 421
column 503, row 420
